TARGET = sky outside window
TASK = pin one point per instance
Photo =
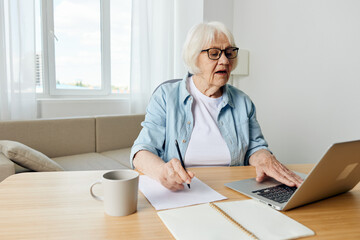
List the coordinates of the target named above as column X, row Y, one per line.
column 77, row 44
column 120, row 18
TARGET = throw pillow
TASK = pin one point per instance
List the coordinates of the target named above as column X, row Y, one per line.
column 28, row 157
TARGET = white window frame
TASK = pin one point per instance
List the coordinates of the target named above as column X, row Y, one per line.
column 48, row 39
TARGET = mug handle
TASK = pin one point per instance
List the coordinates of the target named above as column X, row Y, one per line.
column 93, row 195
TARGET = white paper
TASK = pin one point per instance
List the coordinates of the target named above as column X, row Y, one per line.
column 204, row 222
column 163, row 198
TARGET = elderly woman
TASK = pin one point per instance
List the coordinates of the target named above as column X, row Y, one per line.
column 214, row 123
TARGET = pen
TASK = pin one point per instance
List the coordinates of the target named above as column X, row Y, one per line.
column 181, row 160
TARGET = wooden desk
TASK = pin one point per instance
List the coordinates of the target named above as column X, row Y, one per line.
column 58, row 205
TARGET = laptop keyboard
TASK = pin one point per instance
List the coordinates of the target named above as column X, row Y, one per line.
column 280, row 193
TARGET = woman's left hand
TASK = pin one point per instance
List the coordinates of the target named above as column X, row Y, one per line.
column 267, row 165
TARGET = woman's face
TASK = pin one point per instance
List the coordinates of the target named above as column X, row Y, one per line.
column 215, row 73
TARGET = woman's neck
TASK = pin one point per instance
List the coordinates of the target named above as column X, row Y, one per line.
column 202, row 85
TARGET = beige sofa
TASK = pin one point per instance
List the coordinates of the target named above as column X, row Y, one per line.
column 87, row 143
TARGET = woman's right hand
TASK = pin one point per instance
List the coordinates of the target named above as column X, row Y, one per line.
column 172, row 175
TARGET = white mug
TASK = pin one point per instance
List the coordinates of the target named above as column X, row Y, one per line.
column 120, row 192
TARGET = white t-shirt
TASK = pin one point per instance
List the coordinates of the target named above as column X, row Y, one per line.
column 206, row 147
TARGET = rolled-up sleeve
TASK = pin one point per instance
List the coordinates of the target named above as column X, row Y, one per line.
column 152, row 135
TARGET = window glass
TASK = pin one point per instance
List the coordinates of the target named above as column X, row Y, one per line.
column 77, row 41
column 120, row 18
column 75, row 62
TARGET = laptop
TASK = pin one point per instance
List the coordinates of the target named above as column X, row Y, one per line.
column 337, row 172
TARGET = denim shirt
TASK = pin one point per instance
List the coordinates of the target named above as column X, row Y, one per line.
column 169, row 117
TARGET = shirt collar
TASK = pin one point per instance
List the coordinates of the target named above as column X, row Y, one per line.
column 184, row 93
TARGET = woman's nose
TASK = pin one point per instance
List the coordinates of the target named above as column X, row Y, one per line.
column 223, row 59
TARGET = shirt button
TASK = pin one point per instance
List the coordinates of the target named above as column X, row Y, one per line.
column 188, row 122
column 184, row 141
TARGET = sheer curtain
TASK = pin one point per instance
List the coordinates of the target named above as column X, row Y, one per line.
column 159, row 28
column 17, row 60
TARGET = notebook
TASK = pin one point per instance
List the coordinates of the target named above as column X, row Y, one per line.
column 338, row 171
column 204, row 222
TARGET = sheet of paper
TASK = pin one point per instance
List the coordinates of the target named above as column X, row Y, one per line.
column 204, row 222
column 162, row 198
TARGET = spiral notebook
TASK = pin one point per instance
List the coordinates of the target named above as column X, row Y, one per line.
column 256, row 220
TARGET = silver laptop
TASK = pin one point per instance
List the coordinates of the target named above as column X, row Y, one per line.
column 337, row 172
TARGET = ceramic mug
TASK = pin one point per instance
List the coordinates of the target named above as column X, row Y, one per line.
column 120, row 192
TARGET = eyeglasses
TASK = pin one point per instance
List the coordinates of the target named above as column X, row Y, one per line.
column 215, row 53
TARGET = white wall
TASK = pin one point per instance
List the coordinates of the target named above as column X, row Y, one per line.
column 223, row 11
column 304, row 72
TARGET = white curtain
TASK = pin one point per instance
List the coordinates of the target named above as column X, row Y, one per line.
column 17, row 60
column 152, row 49
column 159, row 28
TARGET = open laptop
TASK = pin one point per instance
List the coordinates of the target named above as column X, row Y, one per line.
column 337, row 172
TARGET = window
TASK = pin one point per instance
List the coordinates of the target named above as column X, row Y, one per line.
column 85, row 47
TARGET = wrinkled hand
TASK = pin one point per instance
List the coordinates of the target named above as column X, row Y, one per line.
column 267, row 165
column 173, row 175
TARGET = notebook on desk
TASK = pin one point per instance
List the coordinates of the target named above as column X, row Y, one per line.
column 256, row 220
column 337, row 172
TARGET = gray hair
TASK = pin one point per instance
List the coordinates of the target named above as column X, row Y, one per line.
column 199, row 36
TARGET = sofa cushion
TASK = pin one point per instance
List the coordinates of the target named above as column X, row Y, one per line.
column 53, row 137
column 120, row 155
column 20, row 169
column 7, row 167
column 28, row 157
column 88, row 161
column 117, row 132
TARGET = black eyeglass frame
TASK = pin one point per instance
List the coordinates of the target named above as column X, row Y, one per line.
column 221, row 51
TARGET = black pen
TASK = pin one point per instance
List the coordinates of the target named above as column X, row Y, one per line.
column 181, row 160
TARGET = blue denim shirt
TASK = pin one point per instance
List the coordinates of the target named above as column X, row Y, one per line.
column 169, row 117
